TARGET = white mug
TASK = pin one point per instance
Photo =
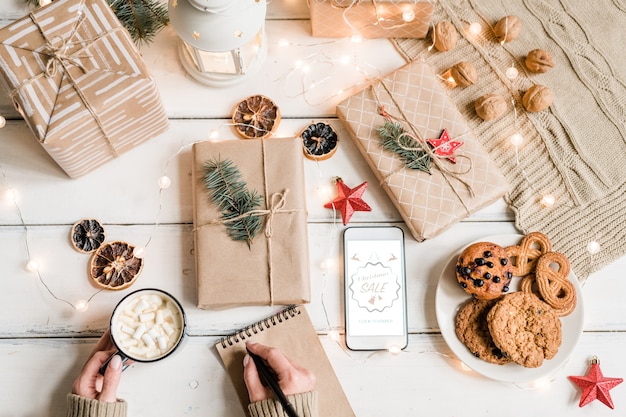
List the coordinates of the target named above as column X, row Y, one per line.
column 147, row 325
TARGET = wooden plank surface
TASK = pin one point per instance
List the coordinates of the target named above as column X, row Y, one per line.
column 44, row 341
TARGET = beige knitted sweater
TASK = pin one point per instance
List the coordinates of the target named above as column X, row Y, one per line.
column 575, row 150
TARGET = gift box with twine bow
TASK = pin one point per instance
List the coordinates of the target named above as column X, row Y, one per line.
column 76, row 77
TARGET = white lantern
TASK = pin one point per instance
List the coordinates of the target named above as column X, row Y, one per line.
column 222, row 40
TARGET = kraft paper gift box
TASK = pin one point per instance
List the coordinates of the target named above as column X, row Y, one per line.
column 76, row 77
column 370, row 19
column 429, row 203
column 275, row 268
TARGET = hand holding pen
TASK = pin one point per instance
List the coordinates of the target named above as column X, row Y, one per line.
column 291, row 378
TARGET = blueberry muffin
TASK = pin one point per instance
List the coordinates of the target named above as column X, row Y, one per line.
column 484, row 271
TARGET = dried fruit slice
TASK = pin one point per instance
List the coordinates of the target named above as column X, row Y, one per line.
column 256, row 117
column 319, row 141
column 114, row 266
column 87, row 235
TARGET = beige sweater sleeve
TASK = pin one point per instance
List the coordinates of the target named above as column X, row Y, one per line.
column 78, row 406
column 305, row 405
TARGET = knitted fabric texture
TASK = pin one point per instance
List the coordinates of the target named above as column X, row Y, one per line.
column 305, row 405
column 78, row 406
column 575, row 150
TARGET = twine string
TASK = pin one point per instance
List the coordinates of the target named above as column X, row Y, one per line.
column 59, row 57
column 422, row 146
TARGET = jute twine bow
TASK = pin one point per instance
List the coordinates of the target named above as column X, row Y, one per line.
column 275, row 205
column 423, row 146
column 59, row 57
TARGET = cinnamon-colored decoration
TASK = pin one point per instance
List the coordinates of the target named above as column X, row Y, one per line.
column 114, row 266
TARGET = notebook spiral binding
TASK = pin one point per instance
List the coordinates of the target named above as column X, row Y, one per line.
column 259, row 326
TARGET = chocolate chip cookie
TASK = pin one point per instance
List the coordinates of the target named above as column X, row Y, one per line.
column 484, row 271
column 525, row 328
column 472, row 330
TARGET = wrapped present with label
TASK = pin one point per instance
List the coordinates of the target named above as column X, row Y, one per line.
column 250, row 223
column 75, row 75
column 370, row 19
column 421, row 149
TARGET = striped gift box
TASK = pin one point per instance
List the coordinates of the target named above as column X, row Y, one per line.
column 78, row 80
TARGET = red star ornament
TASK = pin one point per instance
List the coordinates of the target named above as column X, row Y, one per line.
column 595, row 386
column 445, row 147
column 348, row 200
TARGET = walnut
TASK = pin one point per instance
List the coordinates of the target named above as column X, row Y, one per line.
column 507, row 28
column 464, row 73
column 537, row 98
column 444, row 36
column 539, row 60
column 490, row 106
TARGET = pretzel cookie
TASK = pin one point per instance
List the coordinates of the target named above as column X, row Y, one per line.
column 524, row 256
column 483, row 270
column 525, row 328
column 555, row 288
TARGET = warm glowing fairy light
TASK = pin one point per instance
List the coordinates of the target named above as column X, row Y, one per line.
column 81, row 306
column 516, row 139
column 32, row 266
column 165, row 182
column 475, row 28
column 593, row 247
column 511, row 73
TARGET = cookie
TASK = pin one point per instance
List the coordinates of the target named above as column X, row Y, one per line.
column 484, row 271
column 473, row 331
column 525, row 328
column 524, row 256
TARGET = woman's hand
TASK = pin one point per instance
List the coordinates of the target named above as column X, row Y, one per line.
column 292, row 378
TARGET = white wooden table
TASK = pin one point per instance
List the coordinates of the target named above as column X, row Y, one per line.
column 44, row 341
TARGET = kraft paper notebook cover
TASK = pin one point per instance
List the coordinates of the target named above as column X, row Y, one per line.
column 292, row 331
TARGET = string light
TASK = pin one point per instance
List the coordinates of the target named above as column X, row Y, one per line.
column 81, row 305
column 593, row 247
column 394, row 350
column 547, row 201
column 511, row 73
column 516, row 139
column 214, row 134
column 165, row 182
column 32, row 266
column 139, row 252
column 334, row 335
column 3, row 122
column 475, row 28
column 408, row 15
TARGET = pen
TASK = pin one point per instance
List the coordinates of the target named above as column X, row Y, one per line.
column 270, row 380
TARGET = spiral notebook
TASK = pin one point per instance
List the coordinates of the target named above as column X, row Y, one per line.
column 292, row 331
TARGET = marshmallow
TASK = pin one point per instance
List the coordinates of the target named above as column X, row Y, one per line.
column 139, row 331
column 149, row 341
column 146, row 317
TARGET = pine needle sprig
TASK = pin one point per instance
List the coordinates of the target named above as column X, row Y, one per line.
column 410, row 150
column 230, row 194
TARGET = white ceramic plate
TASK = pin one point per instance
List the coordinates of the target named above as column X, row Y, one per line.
column 450, row 296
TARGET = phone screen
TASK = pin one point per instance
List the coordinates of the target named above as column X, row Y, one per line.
column 374, row 287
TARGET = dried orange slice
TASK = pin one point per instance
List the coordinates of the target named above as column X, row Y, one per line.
column 114, row 266
column 256, row 117
column 319, row 141
column 87, row 235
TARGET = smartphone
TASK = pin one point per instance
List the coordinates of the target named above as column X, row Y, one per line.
column 374, row 288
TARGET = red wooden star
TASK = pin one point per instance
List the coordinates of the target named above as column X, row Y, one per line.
column 348, row 200
column 444, row 146
column 595, row 386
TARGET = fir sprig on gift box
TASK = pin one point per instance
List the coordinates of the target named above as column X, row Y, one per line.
column 142, row 18
column 396, row 140
column 230, row 193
